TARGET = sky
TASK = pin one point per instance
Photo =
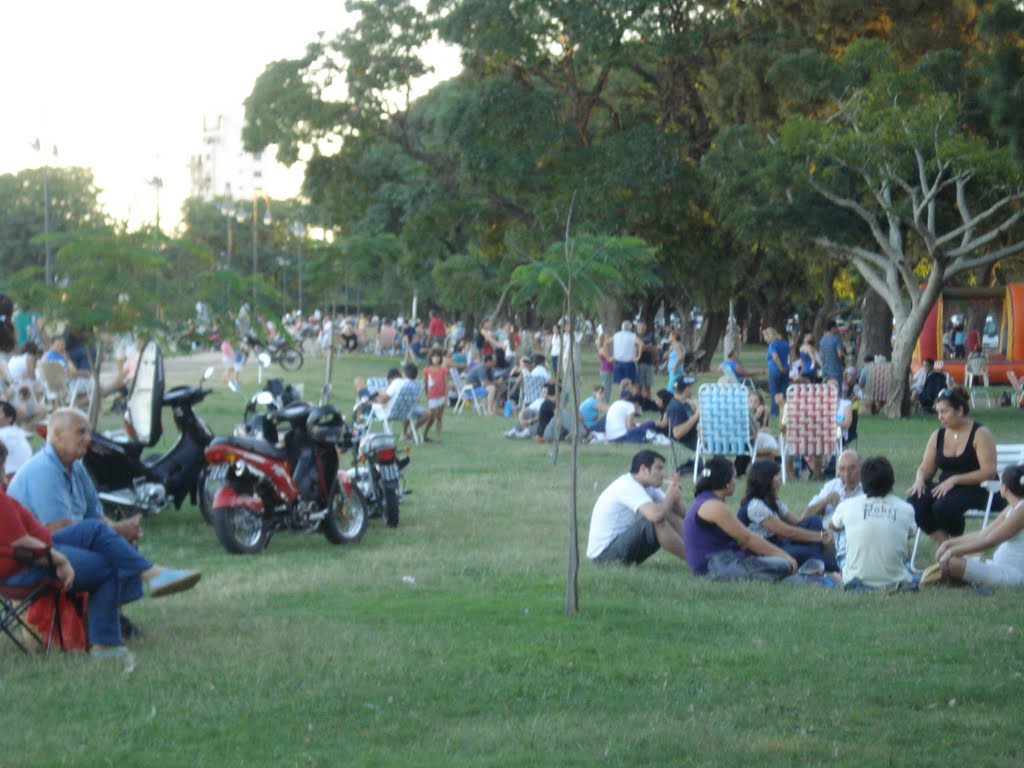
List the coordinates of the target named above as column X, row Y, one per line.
column 122, row 87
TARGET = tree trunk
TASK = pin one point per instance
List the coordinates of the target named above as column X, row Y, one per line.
column 715, row 324
column 876, row 335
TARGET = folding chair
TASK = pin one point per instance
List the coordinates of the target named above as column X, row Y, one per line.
column 376, row 384
column 1007, row 455
column 400, row 410
column 729, row 374
column 724, row 427
column 529, row 389
column 386, row 341
column 15, row 601
column 811, row 428
column 466, row 393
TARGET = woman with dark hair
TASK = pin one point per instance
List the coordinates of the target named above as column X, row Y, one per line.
column 1006, row 533
column 964, row 453
column 768, row 517
column 878, row 526
column 716, row 542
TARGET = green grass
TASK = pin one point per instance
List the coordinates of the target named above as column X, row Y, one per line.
column 314, row 655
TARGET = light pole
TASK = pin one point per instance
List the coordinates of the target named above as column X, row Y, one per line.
column 38, row 147
column 256, row 195
column 299, row 230
column 157, row 184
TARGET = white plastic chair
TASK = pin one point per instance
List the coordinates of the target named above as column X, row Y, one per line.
column 466, row 392
column 977, row 370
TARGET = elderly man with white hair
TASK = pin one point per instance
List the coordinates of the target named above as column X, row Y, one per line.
column 626, row 349
column 56, row 488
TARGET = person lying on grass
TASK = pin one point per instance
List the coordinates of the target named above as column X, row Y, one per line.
column 717, row 543
column 1006, row 533
column 633, row 518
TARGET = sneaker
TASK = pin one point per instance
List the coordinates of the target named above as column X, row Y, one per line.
column 931, row 575
column 171, row 580
column 116, row 652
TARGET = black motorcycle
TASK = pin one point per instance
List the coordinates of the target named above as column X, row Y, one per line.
column 128, row 482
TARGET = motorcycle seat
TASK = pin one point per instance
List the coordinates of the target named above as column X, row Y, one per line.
column 254, row 444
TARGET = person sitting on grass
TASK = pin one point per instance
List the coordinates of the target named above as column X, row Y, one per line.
column 767, row 516
column 633, row 518
column 1005, row 533
column 877, row 525
column 620, row 421
column 717, row 543
column 593, row 409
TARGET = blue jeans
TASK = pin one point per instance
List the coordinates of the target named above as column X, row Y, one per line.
column 777, row 382
column 637, row 434
column 802, row 551
column 106, row 567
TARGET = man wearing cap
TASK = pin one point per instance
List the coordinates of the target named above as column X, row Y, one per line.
column 832, row 353
column 682, row 416
column 633, row 518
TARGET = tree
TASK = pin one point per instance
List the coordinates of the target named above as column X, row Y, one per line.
column 931, row 199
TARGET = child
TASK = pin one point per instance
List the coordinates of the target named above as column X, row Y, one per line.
column 436, row 377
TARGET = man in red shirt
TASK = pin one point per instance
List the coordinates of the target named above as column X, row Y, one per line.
column 436, row 330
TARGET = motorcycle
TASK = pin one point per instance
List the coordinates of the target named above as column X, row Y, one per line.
column 279, row 351
column 126, row 481
column 377, row 475
column 266, row 488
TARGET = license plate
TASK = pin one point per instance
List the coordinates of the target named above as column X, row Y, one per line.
column 389, row 471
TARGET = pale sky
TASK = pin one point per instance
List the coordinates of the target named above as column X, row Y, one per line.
column 122, row 86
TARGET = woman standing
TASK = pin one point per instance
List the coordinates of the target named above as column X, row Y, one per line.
column 676, row 354
column 716, row 542
column 778, row 367
column 1006, row 533
column 964, row 453
column 810, row 359
column 605, row 361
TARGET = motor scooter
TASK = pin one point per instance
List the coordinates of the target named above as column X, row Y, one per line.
column 128, row 482
column 264, row 488
column 377, row 474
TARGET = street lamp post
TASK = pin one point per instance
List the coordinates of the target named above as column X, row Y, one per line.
column 256, row 195
column 47, row 245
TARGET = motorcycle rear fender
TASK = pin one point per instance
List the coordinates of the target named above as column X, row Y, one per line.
column 227, row 496
column 345, row 482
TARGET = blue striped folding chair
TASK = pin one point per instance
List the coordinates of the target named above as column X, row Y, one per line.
column 467, row 394
column 724, row 422
column 401, row 409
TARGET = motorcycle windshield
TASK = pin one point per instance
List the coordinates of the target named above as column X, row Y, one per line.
column 142, row 416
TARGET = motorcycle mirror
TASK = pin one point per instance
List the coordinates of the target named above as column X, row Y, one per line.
column 264, row 359
column 264, row 398
column 233, row 386
column 208, row 373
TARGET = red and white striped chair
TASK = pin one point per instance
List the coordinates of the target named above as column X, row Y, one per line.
column 811, row 428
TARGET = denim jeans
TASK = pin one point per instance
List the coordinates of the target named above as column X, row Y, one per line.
column 106, row 567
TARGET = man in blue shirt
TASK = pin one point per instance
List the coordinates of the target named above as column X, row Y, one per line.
column 832, row 353
column 55, row 487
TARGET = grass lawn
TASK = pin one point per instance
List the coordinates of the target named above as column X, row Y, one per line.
column 445, row 641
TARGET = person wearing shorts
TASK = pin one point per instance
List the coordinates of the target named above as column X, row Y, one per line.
column 633, row 518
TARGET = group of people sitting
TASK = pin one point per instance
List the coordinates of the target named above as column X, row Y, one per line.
column 855, row 530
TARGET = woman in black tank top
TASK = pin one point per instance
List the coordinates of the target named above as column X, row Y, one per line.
column 963, row 452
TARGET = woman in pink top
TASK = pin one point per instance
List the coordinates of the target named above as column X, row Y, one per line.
column 605, row 362
column 436, row 377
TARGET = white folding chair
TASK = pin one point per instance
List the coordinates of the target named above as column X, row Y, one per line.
column 466, row 392
column 400, row 410
column 1007, row 455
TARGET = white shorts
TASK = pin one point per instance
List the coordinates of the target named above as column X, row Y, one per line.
column 991, row 574
column 436, row 402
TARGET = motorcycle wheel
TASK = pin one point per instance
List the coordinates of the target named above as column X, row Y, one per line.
column 346, row 516
column 210, row 481
column 390, row 507
column 239, row 531
column 290, row 358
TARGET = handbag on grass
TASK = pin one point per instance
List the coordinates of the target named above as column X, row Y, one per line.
column 72, row 627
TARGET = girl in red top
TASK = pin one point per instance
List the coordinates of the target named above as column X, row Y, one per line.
column 436, row 377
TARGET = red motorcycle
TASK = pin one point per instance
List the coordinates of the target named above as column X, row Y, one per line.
column 296, row 487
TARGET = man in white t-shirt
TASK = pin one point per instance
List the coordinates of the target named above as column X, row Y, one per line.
column 633, row 518
column 384, row 401
column 13, row 436
column 626, row 348
column 878, row 527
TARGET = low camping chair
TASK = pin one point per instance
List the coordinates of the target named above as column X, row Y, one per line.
column 400, row 410
column 976, row 370
column 811, row 428
column 386, row 341
column 1007, row 455
column 876, row 389
column 15, row 601
column 724, row 427
column 466, row 393
column 56, row 393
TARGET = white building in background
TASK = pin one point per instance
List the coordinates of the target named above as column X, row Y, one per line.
column 222, row 168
